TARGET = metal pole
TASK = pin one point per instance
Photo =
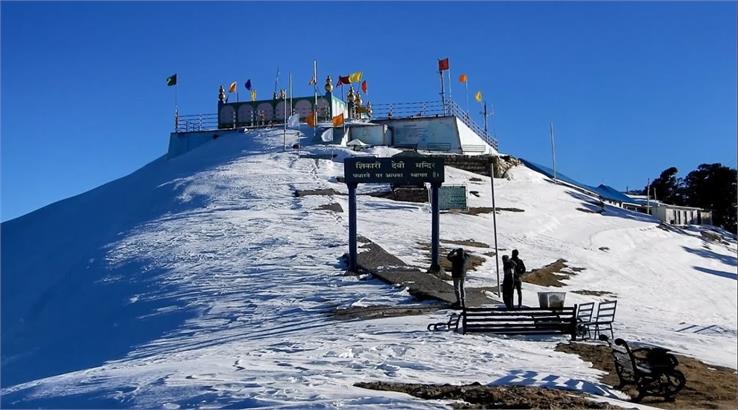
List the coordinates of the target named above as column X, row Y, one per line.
column 466, row 88
column 553, row 148
column 284, row 133
column 352, row 227
column 315, row 97
column 494, row 222
column 485, row 117
column 648, row 196
column 443, row 96
column 435, row 225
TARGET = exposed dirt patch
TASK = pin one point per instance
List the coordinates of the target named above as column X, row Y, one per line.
column 552, row 274
column 477, row 396
column 708, row 386
column 594, row 293
column 329, row 191
column 335, row 207
column 604, row 248
column 417, row 195
column 486, row 210
column 467, row 242
column 374, row 312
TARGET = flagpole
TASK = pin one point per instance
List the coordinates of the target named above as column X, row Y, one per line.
column 315, row 96
column 443, row 97
column 284, row 133
column 290, row 93
column 553, row 148
column 450, row 98
column 176, row 107
column 466, row 88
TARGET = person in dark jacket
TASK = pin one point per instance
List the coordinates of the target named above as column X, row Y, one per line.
column 508, row 282
column 458, row 260
column 519, row 271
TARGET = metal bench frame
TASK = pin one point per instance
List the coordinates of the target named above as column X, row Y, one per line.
column 649, row 377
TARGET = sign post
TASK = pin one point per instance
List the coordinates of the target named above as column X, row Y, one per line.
column 397, row 170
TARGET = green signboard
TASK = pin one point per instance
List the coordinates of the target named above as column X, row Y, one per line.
column 395, row 170
column 452, row 197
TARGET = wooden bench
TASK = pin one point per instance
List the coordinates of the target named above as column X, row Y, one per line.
column 651, row 370
column 524, row 321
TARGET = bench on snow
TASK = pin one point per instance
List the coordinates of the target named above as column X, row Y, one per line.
column 523, row 321
column 651, row 370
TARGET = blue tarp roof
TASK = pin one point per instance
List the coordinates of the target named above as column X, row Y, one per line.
column 604, row 191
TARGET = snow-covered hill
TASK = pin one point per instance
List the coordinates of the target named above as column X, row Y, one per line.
column 202, row 280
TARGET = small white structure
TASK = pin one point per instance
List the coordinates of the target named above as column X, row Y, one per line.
column 681, row 215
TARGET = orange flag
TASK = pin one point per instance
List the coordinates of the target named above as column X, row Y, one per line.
column 338, row 120
column 463, row 78
column 232, row 87
column 310, row 119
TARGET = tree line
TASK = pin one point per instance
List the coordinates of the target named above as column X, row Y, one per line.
column 710, row 186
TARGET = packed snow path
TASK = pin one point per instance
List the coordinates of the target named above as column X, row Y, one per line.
column 220, row 293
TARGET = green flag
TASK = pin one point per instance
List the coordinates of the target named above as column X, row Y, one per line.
column 172, row 80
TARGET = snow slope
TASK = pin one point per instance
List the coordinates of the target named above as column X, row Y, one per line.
column 202, row 280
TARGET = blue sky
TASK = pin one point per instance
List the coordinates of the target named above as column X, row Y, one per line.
column 633, row 88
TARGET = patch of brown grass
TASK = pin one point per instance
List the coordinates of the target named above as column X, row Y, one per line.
column 708, row 386
column 478, row 396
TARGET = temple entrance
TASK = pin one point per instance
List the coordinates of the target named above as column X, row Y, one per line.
column 400, row 169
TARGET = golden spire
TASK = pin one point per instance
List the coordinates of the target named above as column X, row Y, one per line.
column 328, row 84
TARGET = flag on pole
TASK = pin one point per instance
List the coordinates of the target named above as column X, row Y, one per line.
column 343, row 80
column 172, row 80
column 232, row 87
column 253, row 95
column 356, row 77
column 443, row 64
column 363, row 86
column 293, row 121
column 338, row 120
column 248, row 84
column 478, row 96
column 463, row 78
column 310, row 119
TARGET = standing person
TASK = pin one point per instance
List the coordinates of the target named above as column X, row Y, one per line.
column 508, row 283
column 458, row 260
column 519, row 271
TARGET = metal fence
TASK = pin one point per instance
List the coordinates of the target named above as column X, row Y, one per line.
column 196, row 122
column 423, row 109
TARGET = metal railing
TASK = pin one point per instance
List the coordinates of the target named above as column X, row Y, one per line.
column 423, row 109
column 426, row 109
column 196, row 122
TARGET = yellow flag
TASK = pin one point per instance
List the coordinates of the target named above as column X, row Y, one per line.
column 356, row 77
column 253, row 95
column 478, row 96
column 463, row 78
column 232, row 87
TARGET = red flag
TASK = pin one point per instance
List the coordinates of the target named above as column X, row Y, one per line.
column 363, row 86
column 443, row 64
column 343, row 80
